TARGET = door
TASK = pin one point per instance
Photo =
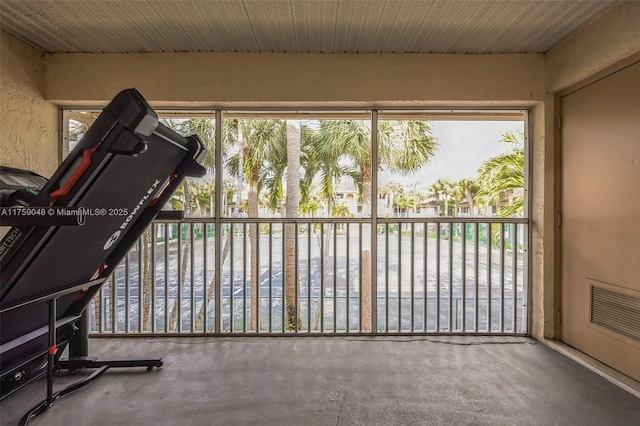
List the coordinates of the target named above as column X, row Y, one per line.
column 600, row 231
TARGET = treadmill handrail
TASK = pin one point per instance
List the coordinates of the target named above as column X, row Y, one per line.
column 56, row 295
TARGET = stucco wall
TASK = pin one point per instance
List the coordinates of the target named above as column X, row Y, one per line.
column 28, row 122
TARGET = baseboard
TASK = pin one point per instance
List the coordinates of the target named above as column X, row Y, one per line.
column 612, row 375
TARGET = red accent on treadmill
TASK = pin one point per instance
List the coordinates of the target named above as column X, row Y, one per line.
column 75, row 177
column 52, row 350
column 80, row 295
column 172, row 177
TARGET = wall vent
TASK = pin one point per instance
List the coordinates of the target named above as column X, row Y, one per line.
column 617, row 312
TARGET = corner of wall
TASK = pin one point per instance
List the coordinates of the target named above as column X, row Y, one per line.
column 28, row 123
column 609, row 39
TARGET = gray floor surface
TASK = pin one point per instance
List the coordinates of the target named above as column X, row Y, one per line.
column 335, row 381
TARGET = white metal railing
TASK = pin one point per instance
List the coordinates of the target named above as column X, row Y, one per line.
column 413, row 275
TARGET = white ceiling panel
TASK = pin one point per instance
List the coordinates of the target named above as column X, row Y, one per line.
column 316, row 26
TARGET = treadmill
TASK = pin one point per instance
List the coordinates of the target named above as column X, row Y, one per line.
column 69, row 233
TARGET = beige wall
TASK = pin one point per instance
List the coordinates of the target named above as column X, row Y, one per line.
column 28, row 123
column 228, row 79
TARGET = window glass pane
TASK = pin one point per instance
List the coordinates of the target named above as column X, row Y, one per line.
column 451, row 167
column 332, row 166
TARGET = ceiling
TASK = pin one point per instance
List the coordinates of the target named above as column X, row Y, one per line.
column 316, row 26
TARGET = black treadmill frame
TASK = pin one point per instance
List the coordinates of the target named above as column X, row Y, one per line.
column 68, row 329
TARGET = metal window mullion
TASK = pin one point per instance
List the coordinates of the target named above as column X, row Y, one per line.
column 450, row 285
column 192, row 286
column 271, row 279
column 284, row 280
column 335, row 276
column 205, row 281
column 166, row 278
column 438, row 278
column 180, row 281
column 153, row 254
column 297, row 279
column 219, row 178
column 309, row 229
column 514, row 277
column 425, row 278
column 412, row 291
column 360, row 300
column 373, row 267
column 526, row 290
column 464, row 277
column 347, row 284
column 476, row 270
column 399, row 276
column 386, row 278
column 231, row 278
column 141, row 288
column 258, row 302
column 244, row 277
column 502, row 229
column 322, row 266
column 489, row 284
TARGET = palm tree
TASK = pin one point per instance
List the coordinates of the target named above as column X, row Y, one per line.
column 404, row 147
column 466, row 189
column 500, row 176
column 441, row 189
column 262, row 163
column 292, row 204
column 310, row 206
column 391, row 191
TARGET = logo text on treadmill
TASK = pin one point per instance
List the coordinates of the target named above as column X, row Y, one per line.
column 114, row 237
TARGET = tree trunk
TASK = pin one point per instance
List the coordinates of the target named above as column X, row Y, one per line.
column 147, row 286
column 253, row 240
column 292, row 210
column 211, row 290
column 325, row 276
column 325, row 266
column 469, row 198
column 186, row 253
column 367, row 302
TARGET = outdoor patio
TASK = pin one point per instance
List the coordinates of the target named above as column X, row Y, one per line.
column 336, row 380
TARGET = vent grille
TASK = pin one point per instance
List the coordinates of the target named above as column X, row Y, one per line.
column 615, row 311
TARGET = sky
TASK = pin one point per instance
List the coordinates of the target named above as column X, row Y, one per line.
column 462, row 147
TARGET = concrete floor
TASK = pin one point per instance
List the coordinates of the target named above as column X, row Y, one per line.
column 336, row 381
